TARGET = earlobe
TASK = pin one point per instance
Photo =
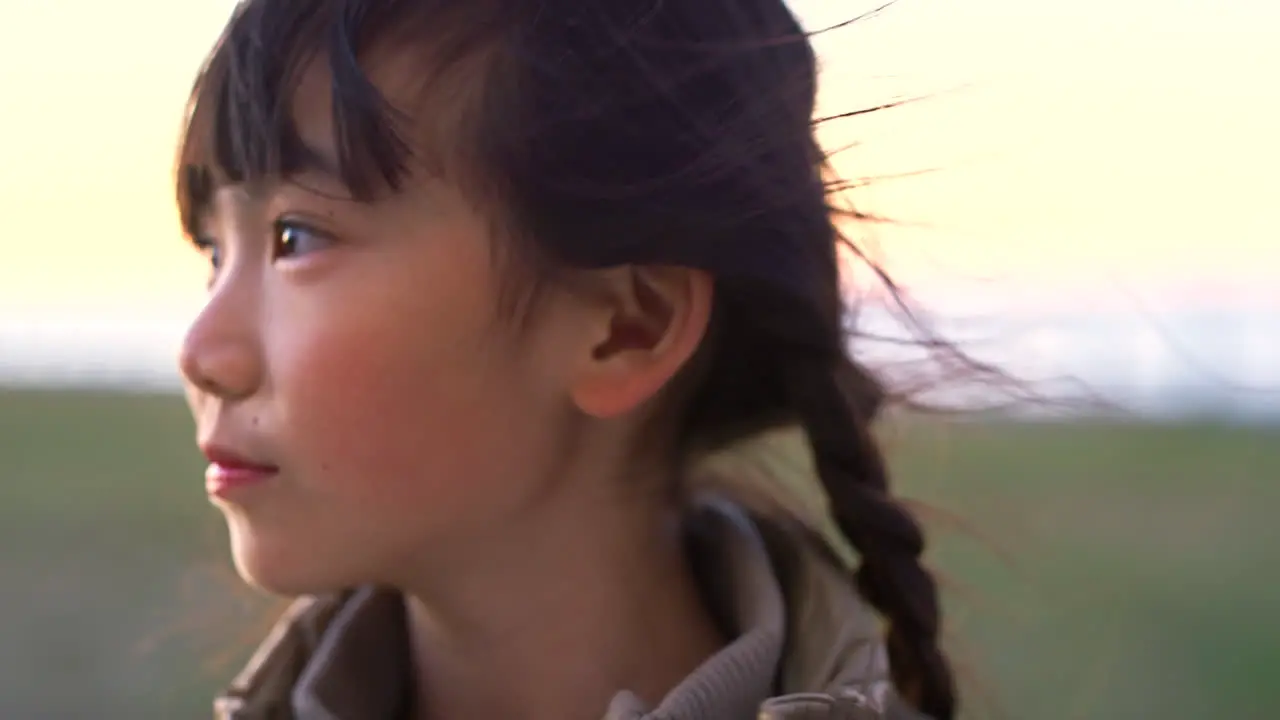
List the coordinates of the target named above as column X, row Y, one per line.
column 656, row 320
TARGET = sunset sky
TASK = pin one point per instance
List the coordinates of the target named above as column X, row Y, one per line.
column 1085, row 152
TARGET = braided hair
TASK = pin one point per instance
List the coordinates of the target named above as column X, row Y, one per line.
column 777, row 361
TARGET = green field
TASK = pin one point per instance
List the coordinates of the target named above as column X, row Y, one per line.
column 1094, row 571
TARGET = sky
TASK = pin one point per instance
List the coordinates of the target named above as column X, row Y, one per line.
column 1081, row 154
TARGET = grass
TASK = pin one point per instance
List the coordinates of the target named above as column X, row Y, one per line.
column 1093, row 571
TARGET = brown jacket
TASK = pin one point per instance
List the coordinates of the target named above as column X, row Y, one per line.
column 807, row 646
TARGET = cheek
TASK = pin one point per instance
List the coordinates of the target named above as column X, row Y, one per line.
column 383, row 412
column 409, row 409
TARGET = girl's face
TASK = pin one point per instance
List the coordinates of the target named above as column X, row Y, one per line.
column 359, row 352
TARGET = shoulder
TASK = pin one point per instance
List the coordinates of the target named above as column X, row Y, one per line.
column 835, row 665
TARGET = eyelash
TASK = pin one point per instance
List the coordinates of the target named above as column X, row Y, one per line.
column 281, row 231
column 283, row 227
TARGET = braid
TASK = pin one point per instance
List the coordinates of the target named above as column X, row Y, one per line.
column 794, row 361
column 836, row 402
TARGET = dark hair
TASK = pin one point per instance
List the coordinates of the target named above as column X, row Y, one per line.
column 675, row 132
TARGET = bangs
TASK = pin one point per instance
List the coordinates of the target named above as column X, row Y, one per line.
column 240, row 125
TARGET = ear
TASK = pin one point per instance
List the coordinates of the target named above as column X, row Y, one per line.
column 646, row 324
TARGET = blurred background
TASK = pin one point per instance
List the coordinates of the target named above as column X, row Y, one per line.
column 1085, row 196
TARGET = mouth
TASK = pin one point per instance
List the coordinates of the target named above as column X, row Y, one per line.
column 230, row 471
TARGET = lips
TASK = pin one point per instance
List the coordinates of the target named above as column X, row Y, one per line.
column 229, row 471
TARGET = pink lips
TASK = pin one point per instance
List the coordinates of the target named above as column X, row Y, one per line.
column 228, row 472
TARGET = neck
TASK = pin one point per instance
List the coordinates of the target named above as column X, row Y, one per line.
column 593, row 597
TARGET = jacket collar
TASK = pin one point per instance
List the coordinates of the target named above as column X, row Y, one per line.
column 806, row 644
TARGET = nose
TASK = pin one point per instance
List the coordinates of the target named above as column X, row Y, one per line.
column 221, row 352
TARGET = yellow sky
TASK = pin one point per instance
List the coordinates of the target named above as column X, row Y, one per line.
column 1079, row 145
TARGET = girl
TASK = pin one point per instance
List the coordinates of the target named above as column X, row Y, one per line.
column 493, row 282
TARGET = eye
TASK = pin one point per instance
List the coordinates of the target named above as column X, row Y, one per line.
column 292, row 239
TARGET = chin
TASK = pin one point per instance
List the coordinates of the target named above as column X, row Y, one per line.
column 287, row 567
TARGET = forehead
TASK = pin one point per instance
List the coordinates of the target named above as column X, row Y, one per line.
column 397, row 81
column 321, row 113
